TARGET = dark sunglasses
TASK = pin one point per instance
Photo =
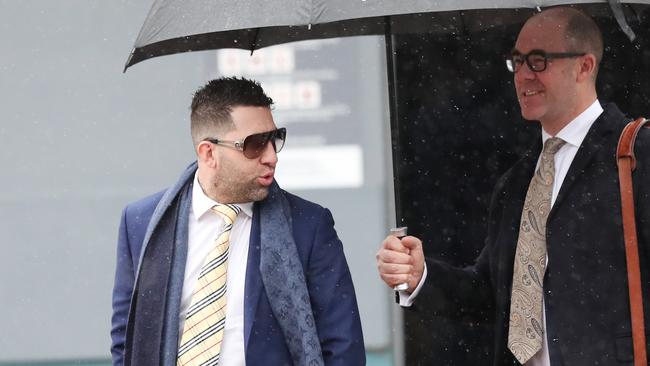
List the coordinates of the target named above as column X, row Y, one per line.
column 253, row 145
column 537, row 60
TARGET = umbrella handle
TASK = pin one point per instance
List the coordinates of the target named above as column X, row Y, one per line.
column 399, row 233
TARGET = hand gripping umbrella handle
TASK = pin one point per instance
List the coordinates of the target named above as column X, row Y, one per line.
column 399, row 233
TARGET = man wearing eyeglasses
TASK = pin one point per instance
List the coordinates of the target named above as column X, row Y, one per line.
column 226, row 268
column 552, row 275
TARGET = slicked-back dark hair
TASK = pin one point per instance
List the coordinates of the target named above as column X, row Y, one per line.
column 213, row 102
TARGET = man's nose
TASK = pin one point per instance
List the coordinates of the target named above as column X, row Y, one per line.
column 269, row 156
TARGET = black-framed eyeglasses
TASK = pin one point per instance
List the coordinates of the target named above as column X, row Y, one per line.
column 537, row 60
column 253, row 145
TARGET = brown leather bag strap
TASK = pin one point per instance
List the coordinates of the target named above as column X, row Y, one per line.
column 626, row 164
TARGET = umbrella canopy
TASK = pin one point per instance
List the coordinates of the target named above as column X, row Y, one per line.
column 174, row 26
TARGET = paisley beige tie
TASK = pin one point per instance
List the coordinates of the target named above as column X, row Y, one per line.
column 526, row 329
column 206, row 316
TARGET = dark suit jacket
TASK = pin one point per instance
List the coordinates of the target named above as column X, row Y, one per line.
column 328, row 279
column 585, row 286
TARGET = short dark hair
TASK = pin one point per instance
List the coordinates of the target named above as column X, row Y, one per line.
column 583, row 34
column 213, row 102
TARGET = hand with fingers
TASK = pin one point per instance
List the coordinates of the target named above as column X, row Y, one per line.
column 401, row 261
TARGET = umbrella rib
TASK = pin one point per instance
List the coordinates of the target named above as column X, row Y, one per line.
column 254, row 43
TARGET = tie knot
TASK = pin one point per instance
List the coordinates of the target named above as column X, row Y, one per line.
column 552, row 145
column 227, row 211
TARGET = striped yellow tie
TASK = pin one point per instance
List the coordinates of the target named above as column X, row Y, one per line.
column 206, row 316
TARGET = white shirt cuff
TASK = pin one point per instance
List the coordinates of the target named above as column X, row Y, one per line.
column 406, row 299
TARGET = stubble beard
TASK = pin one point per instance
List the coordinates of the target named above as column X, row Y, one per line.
column 240, row 192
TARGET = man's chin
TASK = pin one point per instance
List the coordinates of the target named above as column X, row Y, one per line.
column 260, row 194
column 530, row 115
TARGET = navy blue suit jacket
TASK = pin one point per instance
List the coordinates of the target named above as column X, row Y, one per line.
column 328, row 279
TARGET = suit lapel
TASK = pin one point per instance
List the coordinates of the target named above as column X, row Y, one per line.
column 517, row 187
column 253, row 287
column 591, row 145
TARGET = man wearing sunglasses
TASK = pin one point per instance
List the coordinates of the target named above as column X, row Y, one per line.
column 226, row 268
column 552, row 275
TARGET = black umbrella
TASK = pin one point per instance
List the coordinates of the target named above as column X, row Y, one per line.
column 176, row 26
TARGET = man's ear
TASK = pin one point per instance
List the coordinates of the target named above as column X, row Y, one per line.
column 587, row 67
column 205, row 154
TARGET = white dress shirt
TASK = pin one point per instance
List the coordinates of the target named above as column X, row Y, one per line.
column 573, row 133
column 204, row 227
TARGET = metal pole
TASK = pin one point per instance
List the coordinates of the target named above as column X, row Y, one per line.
column 398, row 322
column 394, row 120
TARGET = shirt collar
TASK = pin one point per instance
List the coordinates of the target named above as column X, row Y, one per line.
column 574, row 132
column 201, row 203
